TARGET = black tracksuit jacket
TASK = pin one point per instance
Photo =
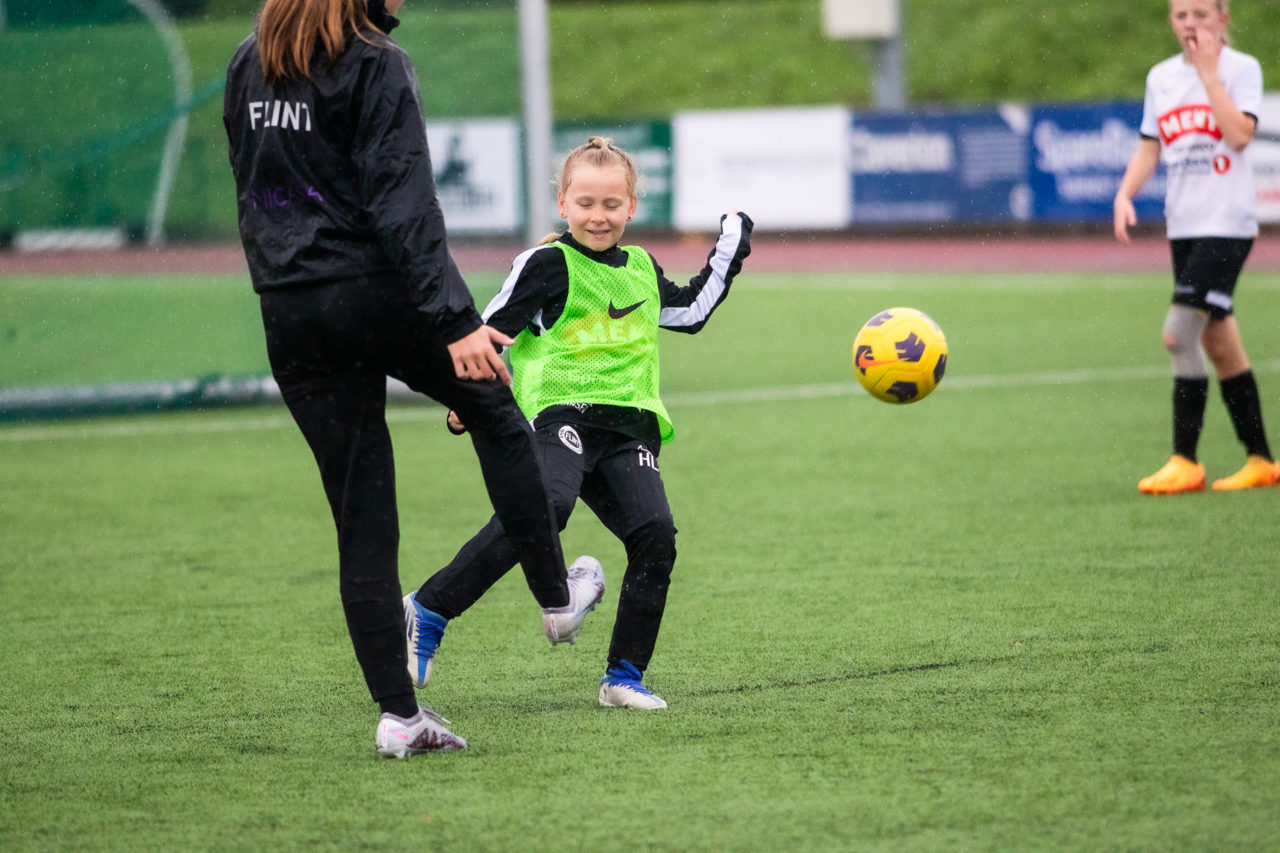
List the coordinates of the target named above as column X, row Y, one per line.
column 333, row 174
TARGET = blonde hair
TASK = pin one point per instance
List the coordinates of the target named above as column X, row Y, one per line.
column 598, row 151
column 290, row 31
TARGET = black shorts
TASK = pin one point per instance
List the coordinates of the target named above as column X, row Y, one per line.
column 1205, row 270
column 614, row 474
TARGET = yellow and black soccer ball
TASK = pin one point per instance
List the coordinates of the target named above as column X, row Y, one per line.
column 900, row 355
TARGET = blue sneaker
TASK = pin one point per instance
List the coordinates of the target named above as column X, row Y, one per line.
column 423, row 630
column 621, row 688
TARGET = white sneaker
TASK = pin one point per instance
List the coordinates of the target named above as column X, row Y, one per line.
column 423, row 732
column 586, row 588
column 621, row 688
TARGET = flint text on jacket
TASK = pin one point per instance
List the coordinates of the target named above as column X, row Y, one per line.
column 282, row 114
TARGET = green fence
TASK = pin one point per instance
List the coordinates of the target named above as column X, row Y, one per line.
column 86, row 111
column 89, row 96
column 43, row 13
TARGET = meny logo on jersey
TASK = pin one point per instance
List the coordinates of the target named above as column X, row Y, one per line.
column 1193, row 118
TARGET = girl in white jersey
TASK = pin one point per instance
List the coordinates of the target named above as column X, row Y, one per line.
column 1199, row 114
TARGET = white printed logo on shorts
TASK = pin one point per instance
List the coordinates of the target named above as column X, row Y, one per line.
column 569, row 438
column 1218, row 299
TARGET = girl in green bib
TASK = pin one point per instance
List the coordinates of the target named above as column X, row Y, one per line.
column 585, row 313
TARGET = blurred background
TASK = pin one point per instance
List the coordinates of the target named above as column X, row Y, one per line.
column 995, row 112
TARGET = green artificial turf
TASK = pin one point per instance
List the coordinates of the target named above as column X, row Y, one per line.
column 953, row 625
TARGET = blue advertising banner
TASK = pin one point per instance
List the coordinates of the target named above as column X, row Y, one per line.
column 944, row 166
column 1078, row 154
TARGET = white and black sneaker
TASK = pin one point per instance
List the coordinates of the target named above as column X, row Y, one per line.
column 586, row 588
column 621, row 688
column 425, row 731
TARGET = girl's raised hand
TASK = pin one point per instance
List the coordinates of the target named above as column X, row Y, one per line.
column 1204, row 49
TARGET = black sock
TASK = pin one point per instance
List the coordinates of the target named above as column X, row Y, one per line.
column 404, row 705
column 1240, row 393
column 1189, row 399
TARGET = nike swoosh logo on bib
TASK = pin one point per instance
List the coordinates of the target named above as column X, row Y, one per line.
column 619, row 313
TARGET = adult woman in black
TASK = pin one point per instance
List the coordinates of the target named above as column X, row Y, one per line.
column 346, row 248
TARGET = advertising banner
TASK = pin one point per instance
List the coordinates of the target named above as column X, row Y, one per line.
column 939, row 166
column 1078, row 156
column 827, row 168
column 648, row 143
column 478, row 174
column 787, row 168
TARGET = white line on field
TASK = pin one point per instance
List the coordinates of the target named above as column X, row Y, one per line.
column 951, row 383
column 153, row 426
column 968, row 283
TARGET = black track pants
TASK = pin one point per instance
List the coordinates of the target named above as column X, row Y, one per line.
column 331, row 348
column 618, row 479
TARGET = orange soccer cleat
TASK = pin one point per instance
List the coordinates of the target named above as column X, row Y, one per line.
column 1178, row 475
column 1258, row 472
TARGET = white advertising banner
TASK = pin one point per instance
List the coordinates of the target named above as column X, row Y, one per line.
column 1264, row 153
column 478, row 174
column 787, row 167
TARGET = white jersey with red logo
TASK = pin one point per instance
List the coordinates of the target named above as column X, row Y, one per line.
column 1210, row 186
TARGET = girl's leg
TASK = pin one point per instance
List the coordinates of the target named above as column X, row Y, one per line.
column 626, row 492
column 339, row 408
column 1223, row 346
column 1182, row 333
column 484, row 559
column 490, row 554
column 504, row 446
column 477, row 566
column 1184, row 328
column 1239, row 387
column 342, row 419
column 515, row 479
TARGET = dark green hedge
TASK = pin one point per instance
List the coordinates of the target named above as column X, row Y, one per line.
column 44, row 13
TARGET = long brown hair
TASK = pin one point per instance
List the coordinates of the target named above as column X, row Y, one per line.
column 289, row 31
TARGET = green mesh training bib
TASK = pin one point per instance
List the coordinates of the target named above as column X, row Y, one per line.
column 603, row 348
